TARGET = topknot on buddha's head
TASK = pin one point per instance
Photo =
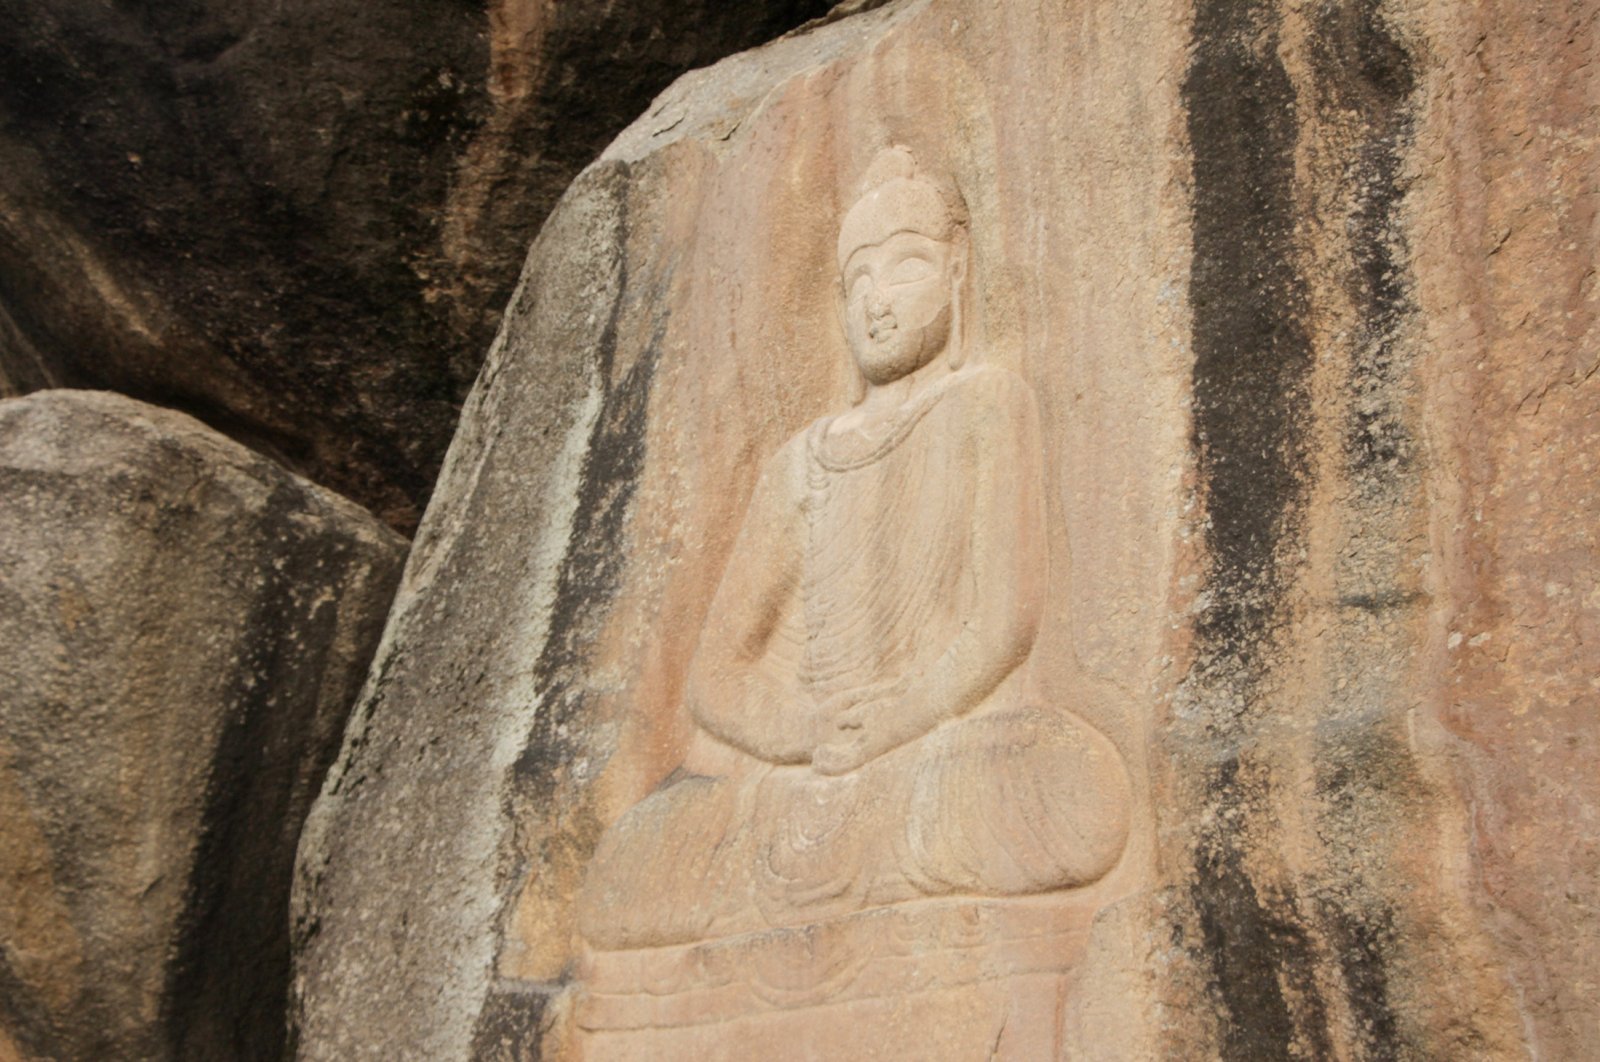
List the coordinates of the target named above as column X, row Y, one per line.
column 895, row 196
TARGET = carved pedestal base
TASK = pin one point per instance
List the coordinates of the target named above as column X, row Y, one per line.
column 951, row 979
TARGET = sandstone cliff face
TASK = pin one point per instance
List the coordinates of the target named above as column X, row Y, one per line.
column 299, row 221
column 1306, row 294
column 183, row 627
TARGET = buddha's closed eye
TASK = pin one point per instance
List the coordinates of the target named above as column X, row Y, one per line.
column 911, row 271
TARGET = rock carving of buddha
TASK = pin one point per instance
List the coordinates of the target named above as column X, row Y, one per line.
column 860, row 677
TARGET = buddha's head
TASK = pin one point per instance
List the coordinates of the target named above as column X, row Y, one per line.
column 902, row 259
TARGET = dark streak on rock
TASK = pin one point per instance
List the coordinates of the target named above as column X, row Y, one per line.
column 1361, row 944
column 590, row 572
column 28, row 1022
column 1253, row 359
column 1364, row 81
column 1363, row 70
column 1253, row 354
column 1256, row 948
column 592, row 567
column 512, row 1024
column 1383, row 601
column 225, row 990
column 1359, row 769
column 1252, row 430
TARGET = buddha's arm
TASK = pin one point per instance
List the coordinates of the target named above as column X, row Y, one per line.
column 1005, row 582
column 737, row 688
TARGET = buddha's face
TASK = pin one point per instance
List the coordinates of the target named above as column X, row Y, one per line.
column 898, row 295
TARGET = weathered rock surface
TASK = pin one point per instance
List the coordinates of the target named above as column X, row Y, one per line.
column 299, row 222
column 183, row 628
column 1510, row 310
column 1306, row 297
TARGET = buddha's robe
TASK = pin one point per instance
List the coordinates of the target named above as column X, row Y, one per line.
column 904, row 570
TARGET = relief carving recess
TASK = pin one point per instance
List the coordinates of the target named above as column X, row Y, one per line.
column 878, row 813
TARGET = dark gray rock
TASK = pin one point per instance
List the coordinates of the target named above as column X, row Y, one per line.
column 183, row 627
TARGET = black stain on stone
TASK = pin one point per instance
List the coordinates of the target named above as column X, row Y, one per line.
column 1364, row 74
column 226, row 988
column 1381, row 601
column 1253, row 424
column 1253, row 353
column 1256, row 946
column 1253, row 359
column 1361, row 943
column 512, row 1025
column 511, row 1022
column 1360, row 768
column 31, row 1025
column 590, row 572
column 1364, row 89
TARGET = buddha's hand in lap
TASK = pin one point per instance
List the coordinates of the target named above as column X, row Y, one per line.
column 858, row 726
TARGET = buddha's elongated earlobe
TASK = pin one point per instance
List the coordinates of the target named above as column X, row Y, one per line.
column 958, row 340
column 956, row 356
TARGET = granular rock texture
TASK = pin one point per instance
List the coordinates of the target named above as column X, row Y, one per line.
column 299, row 221
column 183, row 627
column 1508, row 286
column 1305, row 294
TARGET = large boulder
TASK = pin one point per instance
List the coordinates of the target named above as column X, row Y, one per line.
column 183, row 628
column 299, row 221
column 1305, row 295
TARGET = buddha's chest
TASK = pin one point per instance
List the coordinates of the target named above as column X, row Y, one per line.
column 886, row 543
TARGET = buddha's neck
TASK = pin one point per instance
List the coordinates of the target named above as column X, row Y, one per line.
column 882, row 400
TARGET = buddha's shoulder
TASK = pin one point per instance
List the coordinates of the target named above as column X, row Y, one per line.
column 988, row 387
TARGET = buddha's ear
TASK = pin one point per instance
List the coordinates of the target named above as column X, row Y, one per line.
column 960, row 256
column 956, row 356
